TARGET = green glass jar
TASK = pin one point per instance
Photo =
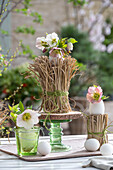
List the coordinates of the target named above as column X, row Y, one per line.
column 27, row 141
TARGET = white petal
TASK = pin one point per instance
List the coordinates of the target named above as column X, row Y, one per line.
column 54, row 35
column 19, row 120
column 49, row 37
column 35, row 118
column 36, row 121
column 20, row 123
column 28, row 124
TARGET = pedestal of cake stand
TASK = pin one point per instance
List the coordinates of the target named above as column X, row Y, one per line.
column 56, row 133
column 56, row 130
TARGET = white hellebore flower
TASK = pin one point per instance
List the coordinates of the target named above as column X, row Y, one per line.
column 52, row 39
column 27, row 119
column 40, row 42
column 70, row 46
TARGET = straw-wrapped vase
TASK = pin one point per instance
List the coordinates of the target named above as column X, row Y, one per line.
column 54, row 78
column 97, row 127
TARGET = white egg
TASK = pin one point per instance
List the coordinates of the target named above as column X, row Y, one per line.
column 97, row 108
column 44, row 148
column 92, row 144
column 106, row 149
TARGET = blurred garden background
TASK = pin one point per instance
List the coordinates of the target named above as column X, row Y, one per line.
column 90, row 22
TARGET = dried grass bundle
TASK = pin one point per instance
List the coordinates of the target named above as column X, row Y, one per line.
column 54, row 78
column 97, row 126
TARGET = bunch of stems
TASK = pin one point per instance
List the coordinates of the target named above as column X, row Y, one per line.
column 54, row 77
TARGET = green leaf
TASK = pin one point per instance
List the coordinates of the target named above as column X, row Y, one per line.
column 15, row 108
column 21, row 106
column 14, row 117
column 17, row 10
column 72, row 40
column 10, row 108
column 30, row 107
column 4, row 32
column 23, row 11
column 95, row 85
column 26, row 30
column 27, row 4
column 28, row 50
column 63, row 39
column 37, row 17
column 81, row 66
column 18, row 113
column 7, row 132
column 65, row 45
column 104, row 97
column 77, row 2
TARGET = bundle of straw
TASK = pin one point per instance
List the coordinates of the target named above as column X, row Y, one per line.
column 54, row 78
column 97, row 127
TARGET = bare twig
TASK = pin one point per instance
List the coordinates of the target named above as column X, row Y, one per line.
column 8, row 11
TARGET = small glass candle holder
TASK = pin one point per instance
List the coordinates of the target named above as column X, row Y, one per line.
column 27, row 141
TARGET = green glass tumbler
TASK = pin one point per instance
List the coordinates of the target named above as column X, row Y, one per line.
column 27, row 141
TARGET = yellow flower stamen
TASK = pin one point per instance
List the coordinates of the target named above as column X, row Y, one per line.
column 53, row 40
column 26, row 116
column 96, row 96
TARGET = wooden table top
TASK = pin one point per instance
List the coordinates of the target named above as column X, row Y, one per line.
column 9, row 162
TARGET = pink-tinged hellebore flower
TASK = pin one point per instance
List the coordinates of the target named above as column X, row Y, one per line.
column 94, row 94
column 55, row 53
column 70, row 46
column 27, row 119
column 44, row 50
column 40, row 43
column 52, row 39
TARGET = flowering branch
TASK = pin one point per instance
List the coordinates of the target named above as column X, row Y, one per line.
column 8, row 11
column 4, row 63
column 101, row 11
column 2, row 7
